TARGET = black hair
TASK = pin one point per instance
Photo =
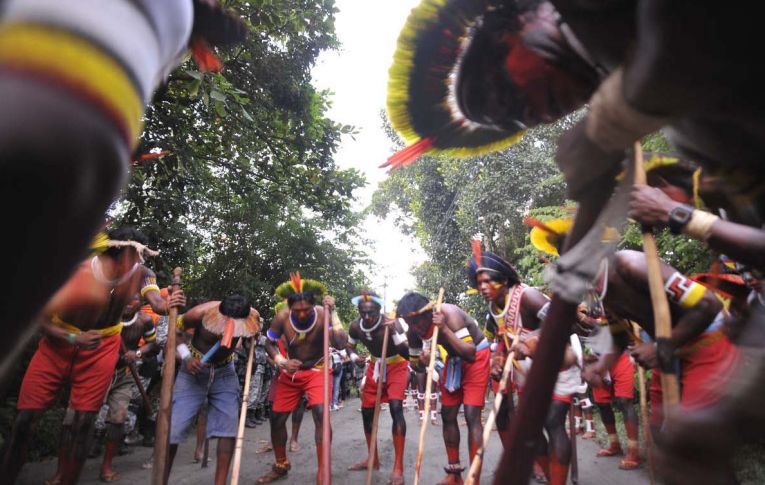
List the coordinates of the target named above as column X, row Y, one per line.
column 124, row 233
column 235, row 306
column 410, row 303
column 304, row 296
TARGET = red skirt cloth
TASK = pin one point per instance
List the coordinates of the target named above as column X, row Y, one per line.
column 622, row 382
column 475, row 380
column 393, row 388
column 711, row 362
column 290, row 388
column 89, row 372
column 656, row 397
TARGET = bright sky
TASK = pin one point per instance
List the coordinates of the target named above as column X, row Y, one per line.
column 358, row 76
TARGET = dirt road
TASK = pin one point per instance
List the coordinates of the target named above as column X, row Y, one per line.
column 348, row 447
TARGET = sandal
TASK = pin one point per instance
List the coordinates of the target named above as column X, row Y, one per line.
column 629, row 464
column 109, row 477
column 278, row 471
column 610, row 451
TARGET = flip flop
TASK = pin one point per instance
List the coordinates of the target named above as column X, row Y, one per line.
column 109, row 477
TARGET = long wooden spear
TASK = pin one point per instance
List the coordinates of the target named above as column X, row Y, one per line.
column 428, row 388
column 487, row 427
column 160, row 470
column 644, row 414
column 378, row 398
column 242, row 418
column 141, row 390
column 661, row 316
column 526, row 426
column 574, row 454
column 326, row 459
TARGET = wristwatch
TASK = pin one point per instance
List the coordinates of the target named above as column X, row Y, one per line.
column 138, row 354
column 679, row 217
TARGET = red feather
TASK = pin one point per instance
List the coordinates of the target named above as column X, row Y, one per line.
column 149, row 156
column 297, row 282
column 475, row 245
column 534, row 222
column 204, row 56
column 408, row 155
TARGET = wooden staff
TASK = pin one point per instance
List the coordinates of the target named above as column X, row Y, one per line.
column 574, row 458
column 378, row 398
column 242, row 417
column 506, row 369
column 137, row 379
column 325, row 426
column 428, row 388
column 661, row 316
column 160, row 470
column 644, row 414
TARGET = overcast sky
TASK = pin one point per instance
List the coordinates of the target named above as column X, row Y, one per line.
column 358, row 76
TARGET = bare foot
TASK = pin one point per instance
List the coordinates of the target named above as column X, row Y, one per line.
column 295, row 446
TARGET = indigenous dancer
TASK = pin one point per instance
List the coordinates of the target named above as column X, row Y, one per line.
column 207, row 374
column 513, row 307
column 74, row 80
column 135, row 326
column 465, row 378
column 80, row 346
column 368, row 329
column 301, row 323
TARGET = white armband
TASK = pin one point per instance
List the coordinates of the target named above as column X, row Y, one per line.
column 354, row 358
column 415, row 352
column 183, row 351
column 462, row 333
column 400, row 338
column 542, row 313
column 352, row 340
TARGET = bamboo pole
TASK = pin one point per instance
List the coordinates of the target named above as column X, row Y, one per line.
column 378, row 398
column 160, row 470
column 661, row 316
column 644, row 414
column 242, row 417
column 428, row 388
column 574, row 454
column 490, row 420
column 326, row 459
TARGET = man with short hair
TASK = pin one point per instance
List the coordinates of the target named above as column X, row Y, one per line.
column 207, row 374
column 465, row 377
column 301, row 323
column 369, row 329
column 80, row 346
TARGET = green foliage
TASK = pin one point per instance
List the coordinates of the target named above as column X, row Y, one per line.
column 250, row 191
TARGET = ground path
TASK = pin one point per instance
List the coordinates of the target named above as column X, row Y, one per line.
column 348, row 447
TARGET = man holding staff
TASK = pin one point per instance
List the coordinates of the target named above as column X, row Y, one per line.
column 207, row 374
column 300, row 323
column 369, row 329
column 465, row 377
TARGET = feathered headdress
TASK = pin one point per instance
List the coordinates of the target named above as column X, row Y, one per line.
column 219, row 324
column 366, row 296
column 480, row 262
column 297, row 284
column 425, row 84
column 101, row 243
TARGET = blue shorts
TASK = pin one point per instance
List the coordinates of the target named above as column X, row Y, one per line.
column 220, row 387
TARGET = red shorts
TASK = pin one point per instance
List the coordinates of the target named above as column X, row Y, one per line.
column 475, row 380
column 712, row 364
column 622, row 382
column 397, row 378
column 89, row 372
column 290, row 388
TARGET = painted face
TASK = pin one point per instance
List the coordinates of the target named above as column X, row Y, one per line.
column 545, row 91
column 490, row 290
column 422, row 324
column 302, row 311
column 370, row 312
